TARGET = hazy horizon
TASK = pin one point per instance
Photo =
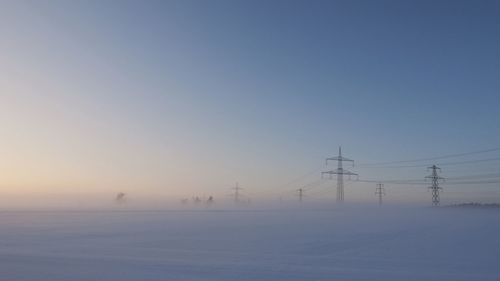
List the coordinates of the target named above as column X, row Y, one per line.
column 165, row 100
column 243, row 140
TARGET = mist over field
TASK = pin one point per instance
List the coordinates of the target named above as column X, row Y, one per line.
column 249, row 140
column 289, row 243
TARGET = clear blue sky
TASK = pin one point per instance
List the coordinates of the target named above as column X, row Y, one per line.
column 188, row 97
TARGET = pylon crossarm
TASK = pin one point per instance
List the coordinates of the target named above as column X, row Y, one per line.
column 328, row 173
column 336, row 158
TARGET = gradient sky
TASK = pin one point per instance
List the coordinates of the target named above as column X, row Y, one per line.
column 175, row 98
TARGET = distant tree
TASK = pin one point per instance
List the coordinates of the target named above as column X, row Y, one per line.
column 120, row 198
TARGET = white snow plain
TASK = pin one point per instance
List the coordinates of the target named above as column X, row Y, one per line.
column 346, row 243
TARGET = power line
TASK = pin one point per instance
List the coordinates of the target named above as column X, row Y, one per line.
column 306, row 187
column 431, row 158
column 448, row 179
column 477, row 182
column 490, row 175
column 474, row 179
column 441, row 164
column 424, row 183
column 392, row 181
column 319, row 192
column 293, row 182
column 299, row 178
column 314, row 184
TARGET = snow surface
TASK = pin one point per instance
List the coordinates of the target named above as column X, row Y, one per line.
column 350, row 243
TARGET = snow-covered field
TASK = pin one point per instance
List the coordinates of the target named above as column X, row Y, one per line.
column 349, row 243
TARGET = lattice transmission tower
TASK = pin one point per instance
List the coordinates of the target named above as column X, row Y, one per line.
column 340, row 172
column 435, row 178
column 380, row 192
column 236, row 194
column 301, row 194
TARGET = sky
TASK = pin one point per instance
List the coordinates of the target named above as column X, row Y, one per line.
column 179, row 98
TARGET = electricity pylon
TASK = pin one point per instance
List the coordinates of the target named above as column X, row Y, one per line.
column 236, row 194
column 340, row 172
column 301, row 194
column 435, row 184
column 380, row 191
